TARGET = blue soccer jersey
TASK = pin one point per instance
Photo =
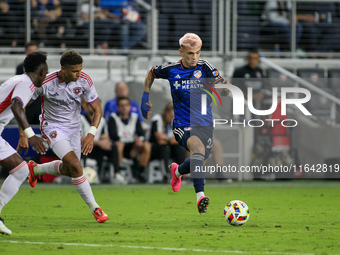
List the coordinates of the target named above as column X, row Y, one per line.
column 187, row 86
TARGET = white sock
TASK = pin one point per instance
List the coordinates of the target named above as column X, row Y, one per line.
column 48, row 168
column 12, row 183
column 83, row 187
column 177, row 173
column 199, row 195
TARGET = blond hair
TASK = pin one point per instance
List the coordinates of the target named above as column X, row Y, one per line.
column 190, row 40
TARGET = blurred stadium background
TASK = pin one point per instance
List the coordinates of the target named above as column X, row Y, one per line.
column 228, row 28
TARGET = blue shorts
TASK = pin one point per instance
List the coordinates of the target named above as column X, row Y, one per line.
column 205, row 134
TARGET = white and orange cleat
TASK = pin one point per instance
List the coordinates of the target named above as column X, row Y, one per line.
column 32, row 179
column 100, row 216
column 175, row 181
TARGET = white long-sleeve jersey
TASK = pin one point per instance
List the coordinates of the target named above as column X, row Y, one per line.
column 61, row 102
column 20, row 87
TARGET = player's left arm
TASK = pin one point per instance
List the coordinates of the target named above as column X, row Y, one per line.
column 87, row 143
column 146, row 105
column 36, row 141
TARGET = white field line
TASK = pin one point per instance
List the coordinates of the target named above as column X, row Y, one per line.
column 151, row 248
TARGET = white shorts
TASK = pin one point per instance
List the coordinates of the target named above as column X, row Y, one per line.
column 63, row 140
column 6, row 150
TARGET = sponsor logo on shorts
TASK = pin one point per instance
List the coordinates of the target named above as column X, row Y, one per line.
column 76, row 90
column 53, row 134
column 187, row 129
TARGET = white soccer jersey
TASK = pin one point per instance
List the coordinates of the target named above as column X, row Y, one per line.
column 20, row 87
column 61, row 102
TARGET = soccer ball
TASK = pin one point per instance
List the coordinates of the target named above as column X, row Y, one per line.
column 90, row 174
column 236, row 213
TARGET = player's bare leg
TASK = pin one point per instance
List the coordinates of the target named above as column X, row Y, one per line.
column 17, row 175
column 120, row 148
column 71, row 166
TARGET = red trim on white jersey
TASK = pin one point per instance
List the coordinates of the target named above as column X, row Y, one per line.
column 50, row 77
column 32, row 87
column 87, row 78
column 43, row 119
column 7, row 102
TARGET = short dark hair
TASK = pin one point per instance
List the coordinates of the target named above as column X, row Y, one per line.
column 254, row 51
column 31, row 43
column 70, row 58
column 33, row 61
column 123, row 98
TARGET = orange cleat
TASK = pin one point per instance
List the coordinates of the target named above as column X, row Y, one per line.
column 32, row 179
column 100, row 216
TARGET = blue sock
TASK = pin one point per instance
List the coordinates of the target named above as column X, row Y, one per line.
column 184, row 168
column 197, row 175
column 198, row 184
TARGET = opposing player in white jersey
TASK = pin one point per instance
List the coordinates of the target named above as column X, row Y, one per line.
column 15, row 93
column 62, row 93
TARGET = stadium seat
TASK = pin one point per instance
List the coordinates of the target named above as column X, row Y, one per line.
column 333, row 80
column 183, row 24
column 127, row 165
column 163, row 30
column 106, row 171
column 334, row 85
column 320, row 107
column 174, row 6
column 248, row 32
column 156, row 171
column 313, row 75
column 277, row 79
column 202, row 7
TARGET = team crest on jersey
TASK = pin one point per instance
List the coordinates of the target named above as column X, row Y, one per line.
column 53, row 134
column 76, row 90
column 215, row 73
column 198, row 74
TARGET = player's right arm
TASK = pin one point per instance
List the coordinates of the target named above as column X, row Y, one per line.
column 26, row 131
column 146, row 105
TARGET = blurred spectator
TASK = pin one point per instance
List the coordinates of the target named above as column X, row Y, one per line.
column 47, row 22
column 103, row 26
column 121, row 90
column 320, row 34
column 277, row 16
column 250, row 75
column 102, row 145
column 162, row 139
column 126, row 131
column 7, row 24
column 33, row 110
column 132, row 30
column 29, row 48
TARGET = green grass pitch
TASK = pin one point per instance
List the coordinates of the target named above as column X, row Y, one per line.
column 289, row 217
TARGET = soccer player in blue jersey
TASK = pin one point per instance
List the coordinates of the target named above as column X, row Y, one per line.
column 192, row 129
